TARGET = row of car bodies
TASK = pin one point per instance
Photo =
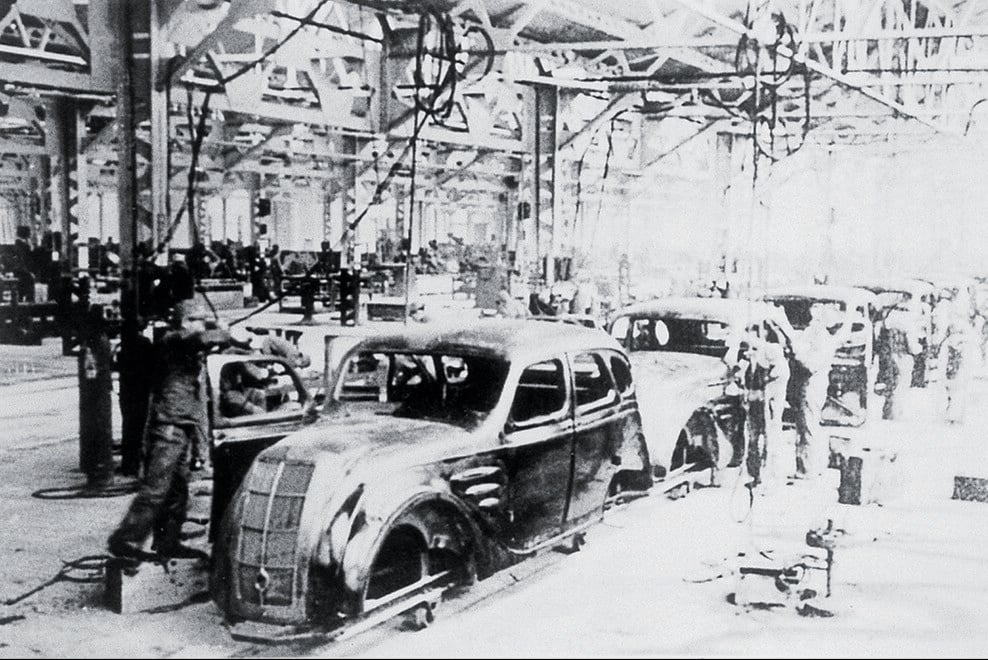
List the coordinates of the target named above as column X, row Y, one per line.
column 447, row 453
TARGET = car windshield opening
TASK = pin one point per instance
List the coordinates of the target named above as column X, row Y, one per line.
column 800, row 311
column 457, row 389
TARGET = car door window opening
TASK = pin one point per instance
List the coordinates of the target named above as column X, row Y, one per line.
column 592, row 381
column 541, row 393
column 622, row 374
column 255, row 388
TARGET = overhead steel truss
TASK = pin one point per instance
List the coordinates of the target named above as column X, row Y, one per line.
column 338, row 104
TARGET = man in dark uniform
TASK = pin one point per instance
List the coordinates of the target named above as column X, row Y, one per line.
column 177, row 407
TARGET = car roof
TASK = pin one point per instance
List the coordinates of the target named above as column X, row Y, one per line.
column 731, row 310
column 822, row 292
column 914, row 286
column 507, row 339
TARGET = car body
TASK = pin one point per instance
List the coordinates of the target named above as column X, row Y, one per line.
column 690, row 402
column 854, row 370
column 585, row 320
column 916, row 298
column 442, row 454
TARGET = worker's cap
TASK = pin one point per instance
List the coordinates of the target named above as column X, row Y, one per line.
column 416, row 306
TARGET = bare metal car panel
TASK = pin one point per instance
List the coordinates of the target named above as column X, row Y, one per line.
column 672, row 387
column 680, row 383
column 494, row 491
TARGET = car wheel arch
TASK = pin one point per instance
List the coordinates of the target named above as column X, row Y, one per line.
column 443, row 524
column 701, row 431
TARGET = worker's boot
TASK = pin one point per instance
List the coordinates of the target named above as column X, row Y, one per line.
column 123, row 549
column 167, row 543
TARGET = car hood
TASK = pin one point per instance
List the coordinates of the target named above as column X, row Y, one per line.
column 671, row 387
column 364, row 435
column 677, row 369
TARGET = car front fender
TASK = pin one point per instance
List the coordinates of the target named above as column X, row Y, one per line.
column 370, row 523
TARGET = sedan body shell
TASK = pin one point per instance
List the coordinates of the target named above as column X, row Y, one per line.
column 305, row 550
column 676, row 388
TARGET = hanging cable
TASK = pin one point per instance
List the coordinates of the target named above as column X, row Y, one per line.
column 197, row 136
column 302, row 23
column 603, row 176
column 436, row 73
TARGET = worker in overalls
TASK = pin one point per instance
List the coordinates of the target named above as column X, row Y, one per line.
column 178, row 404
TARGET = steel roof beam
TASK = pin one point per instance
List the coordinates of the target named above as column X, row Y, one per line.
column 640, row 42
column 620, row 103
column 815, row 66
column 40, row 78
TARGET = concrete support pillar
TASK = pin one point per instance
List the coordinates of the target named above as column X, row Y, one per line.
column 398, row 233
column 329, row 194
column 79, row 191
column 348, row 195
column 161, row 212
column 545, row 186
column 252, row 184
column 40, row 214
column 829, row 254
column 724, row 170
column 60, row 140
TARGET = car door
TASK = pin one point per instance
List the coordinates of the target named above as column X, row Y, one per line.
column 599, row 433
column 240, row 434
column 537, row 454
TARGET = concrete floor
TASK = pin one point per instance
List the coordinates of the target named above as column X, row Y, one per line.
column 910, row 576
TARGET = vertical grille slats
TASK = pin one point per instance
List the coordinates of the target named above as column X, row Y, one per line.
column 268, row 534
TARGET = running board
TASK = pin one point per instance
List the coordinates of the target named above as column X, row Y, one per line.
column 681, row 476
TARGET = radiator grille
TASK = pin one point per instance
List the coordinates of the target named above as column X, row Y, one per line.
column 268, row 534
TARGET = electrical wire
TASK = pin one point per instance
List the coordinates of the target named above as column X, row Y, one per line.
column 603, row 176
column 363, row 36
column 85, row 492
column 302, row 23
column 95, row 564
column 196, row 136
column 440, row 80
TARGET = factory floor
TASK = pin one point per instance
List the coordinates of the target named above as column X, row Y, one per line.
column 659, row 577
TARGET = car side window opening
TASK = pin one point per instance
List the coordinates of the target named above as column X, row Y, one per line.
column 622, row 374
column 619, row 330
column 541, row 392
column 257, row 388
column 592, row 380
column 451, row 388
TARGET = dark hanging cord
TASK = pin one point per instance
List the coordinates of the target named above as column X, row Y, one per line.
column 434, row 101
column 302, row 23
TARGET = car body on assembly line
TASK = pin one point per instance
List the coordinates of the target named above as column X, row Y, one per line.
column 682, row 352
column 916, row 299
column 854, row 368
column 442, row 455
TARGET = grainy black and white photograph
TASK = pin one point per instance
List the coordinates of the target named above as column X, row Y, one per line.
column 493, row 328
